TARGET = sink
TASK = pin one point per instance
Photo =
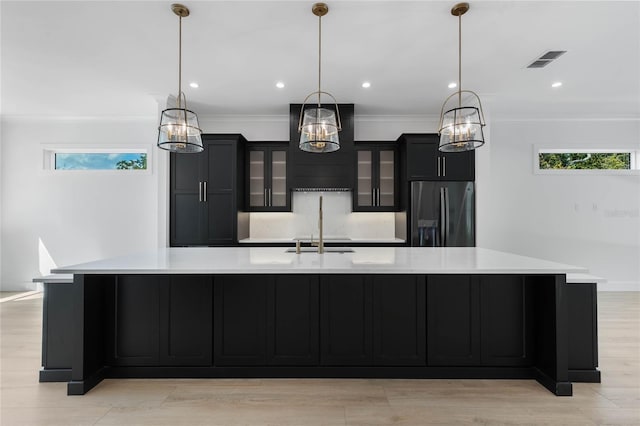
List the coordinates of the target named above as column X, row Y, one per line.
column 326, row 250
column 326, row 239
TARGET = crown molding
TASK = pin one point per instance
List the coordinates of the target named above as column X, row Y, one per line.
column 409, row 118
column 71, row 118
column 498, row 119
column 241, row 118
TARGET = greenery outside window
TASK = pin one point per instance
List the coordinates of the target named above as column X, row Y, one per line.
column 96, row 159
column 585, row 161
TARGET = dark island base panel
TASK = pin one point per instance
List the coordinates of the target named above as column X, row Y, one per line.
column 557, row 388
column 64, row 375
column 436, row 326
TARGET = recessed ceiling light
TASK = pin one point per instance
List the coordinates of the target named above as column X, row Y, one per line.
column 557, row 84
column 280, row 85
column 452, row 85
column 194, row 85
column 366, row 84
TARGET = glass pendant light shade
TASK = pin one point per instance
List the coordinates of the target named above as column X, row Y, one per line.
column 461, row 122
column 319, row 126
column 179, row 131
column 319, row 130
column 461, row 126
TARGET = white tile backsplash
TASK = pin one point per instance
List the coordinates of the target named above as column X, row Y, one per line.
column 339, row 221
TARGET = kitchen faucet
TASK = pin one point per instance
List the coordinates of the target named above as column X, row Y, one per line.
column 320, row 242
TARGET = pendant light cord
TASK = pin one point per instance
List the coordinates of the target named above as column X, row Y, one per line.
column 319, row 56
column 179, row 61
column 460, row 60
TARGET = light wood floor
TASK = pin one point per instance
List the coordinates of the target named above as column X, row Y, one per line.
column 616, row 400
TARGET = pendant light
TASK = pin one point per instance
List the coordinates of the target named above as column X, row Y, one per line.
column 461, row 125
column 179, row 130
column 318, row 126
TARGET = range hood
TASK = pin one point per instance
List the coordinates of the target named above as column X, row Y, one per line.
column 321, row 189
column 333, row 171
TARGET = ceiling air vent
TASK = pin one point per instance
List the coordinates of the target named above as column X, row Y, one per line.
column 547, row 58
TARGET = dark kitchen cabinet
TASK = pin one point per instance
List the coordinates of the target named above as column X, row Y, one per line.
column 372, row 320
column 240, row 331
column 425, row 162
column 453, row 320
column 266, row 185
column 399, row 326
column 376, row 183
column 159, row 320
column 272, row 321
column 346, row 326
column 506, row 321
column 479, row 321
column 206, row 193
column 582, row 315
column 57, row 326
column 322, row 170
column 293, row 320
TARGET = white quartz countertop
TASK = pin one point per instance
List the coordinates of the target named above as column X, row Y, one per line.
column 332, row 240
column 363, row 260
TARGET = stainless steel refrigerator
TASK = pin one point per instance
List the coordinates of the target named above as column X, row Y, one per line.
column 443, row 214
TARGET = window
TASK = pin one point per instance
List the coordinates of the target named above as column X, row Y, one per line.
column 96, row 159
column 585, row 161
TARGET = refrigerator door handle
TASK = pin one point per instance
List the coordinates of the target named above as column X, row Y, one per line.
column 444, row 166
column 438, row 165
column 200, row 192
column 442, row 223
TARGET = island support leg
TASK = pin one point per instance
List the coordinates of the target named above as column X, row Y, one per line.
column 88, row 342
column 551, row 334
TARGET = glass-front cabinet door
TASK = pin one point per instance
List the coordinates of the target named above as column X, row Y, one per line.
column 376, row 177
column 386, row 178
column 278, row 188
column 364, row 185
column 266, row 184
column 257, row 184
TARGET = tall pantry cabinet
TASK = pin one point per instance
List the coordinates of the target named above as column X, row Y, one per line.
column 205, row 195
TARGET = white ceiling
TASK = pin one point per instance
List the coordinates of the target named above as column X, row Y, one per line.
column 115, row 58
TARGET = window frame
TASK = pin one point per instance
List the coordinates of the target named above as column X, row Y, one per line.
column 49, row 152
column 544, row 149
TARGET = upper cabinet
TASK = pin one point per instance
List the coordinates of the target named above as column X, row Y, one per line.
column 425, row 162
column 266, row 186
column 376, row 183
column 206, row 193
column 322, row 170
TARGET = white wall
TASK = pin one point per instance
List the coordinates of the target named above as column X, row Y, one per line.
column 2, row 179
column 591, row 221
column 66, row 218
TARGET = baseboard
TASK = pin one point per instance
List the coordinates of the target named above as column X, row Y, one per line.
column 619, row 286
column 25, row 286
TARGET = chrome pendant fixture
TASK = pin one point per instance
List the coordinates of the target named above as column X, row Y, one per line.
column 461, row 125
column 319, row 126
column 179, row 130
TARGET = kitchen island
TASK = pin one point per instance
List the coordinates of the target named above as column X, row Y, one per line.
column 391, row 312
